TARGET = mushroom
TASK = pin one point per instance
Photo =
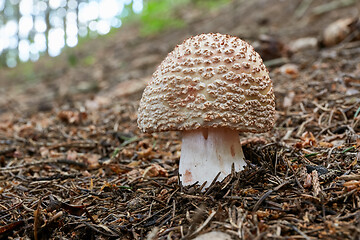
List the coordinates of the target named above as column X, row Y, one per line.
column 210, row 87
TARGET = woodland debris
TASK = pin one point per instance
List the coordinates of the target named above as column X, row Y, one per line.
column 340, row 30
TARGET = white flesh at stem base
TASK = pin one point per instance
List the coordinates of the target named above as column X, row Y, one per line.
column 206, row 152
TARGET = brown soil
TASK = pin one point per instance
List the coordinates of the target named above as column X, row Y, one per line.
column 73, row 164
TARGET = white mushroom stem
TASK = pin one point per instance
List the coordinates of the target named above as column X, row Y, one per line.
column 206, row 152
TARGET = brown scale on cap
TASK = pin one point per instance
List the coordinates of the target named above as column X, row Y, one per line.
column 209, row 81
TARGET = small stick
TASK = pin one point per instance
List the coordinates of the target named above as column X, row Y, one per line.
column 61, row 160
column 7, row 150
column 212, row 184
column 265, row 195
column 11, row 208
column 276, row 62
column 299, row 231
column 327, row 7
column 349, row 177
column 203, row 225
column 342, row 196
column 304, row 5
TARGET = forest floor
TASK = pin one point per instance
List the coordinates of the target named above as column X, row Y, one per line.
column 73, row 164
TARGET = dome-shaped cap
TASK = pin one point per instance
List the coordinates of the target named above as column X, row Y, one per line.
column 209, row 81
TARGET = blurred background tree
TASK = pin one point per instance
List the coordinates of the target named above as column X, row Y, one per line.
column 31, row 28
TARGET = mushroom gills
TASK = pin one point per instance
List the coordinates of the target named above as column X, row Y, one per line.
column 206, row 152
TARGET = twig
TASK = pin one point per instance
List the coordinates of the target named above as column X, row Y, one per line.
column 298, row 231
column 265, row 195
column 56, row 176
column 302, row 126
column 11, row 208
column 7, row 150
column 109, row 232
column 212, row 185
column 345, row 195
column 156, row 213
column 212, row 214
column 304, row 5
column 350, row 215
column 52, row 161
column 327, row 7
column 276, row 62
column 349, row 177
column 73, row 144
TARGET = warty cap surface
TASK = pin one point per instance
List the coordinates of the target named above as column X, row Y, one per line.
column 209, row 81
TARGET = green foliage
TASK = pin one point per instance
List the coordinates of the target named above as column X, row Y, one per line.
column 25, row 71
column 72, row 59
column 89, row 60
column 211, row 4
column 159, row 15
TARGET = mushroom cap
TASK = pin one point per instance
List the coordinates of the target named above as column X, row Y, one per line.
column 209, row 81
